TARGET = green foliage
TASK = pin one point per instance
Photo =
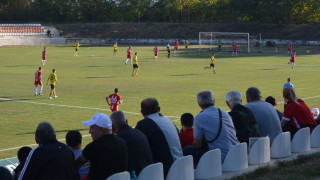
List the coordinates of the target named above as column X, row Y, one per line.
column 271, row 11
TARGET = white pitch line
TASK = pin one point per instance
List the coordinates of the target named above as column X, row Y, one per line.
column 78, row 107
column 304, row 98
column 2, row 150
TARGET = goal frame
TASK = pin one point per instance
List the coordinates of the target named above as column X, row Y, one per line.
column 226, row 33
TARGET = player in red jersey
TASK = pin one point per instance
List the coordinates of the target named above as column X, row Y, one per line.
column 289, row 48
column 293, row 59
column 234, row 49
column 156, row 50
column 115, row 100
column 38, row 81
column 44, row 55
column 129, row 55
column 176, row 46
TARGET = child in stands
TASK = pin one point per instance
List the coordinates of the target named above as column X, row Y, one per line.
column 186, row 132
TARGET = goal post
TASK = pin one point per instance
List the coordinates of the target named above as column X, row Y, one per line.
column 245, row 42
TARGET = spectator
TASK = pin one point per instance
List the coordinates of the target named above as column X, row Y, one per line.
column 243, row 120
column 22, row 156
column 315, row 113
column 161, row 133
column 74, row 141
column 208, row 123
column 297, row 114
column 51, row 159
column 139, row 152
column 5, row 174
column 186, row 132
column 272, row 101
column 264, row 113
column 107, row 153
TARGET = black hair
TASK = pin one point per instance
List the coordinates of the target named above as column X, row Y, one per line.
column 271, row 100
column 187, row 119
column 73, row 138
column 23, row 153
column 149, row 106
column 116, row 90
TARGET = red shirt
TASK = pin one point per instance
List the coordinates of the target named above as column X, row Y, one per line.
column 234, row 47
column 293, row 57
column 186, row 137
column 37, row 77
column 44, row 54
column 176, row 44
column 289, row 47
column 298, row 114
column 114, row 99
column 129, row 52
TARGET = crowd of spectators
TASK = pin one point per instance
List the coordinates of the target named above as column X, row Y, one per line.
column 117, row 147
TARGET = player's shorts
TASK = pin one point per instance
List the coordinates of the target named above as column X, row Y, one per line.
column 135, row 66
column 156, row 54
column 129, row 56
column 44, row 58
column 113, row 107
column 186, row 47
column 36, row 83
column 76, row 49
column 52, row 86
column 176, row 48
column 115, row 50
column 292, row 60
column 168, row 51
column 211, row 65
column 219, row 46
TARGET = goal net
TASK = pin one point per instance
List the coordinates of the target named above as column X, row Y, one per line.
column 245, row 42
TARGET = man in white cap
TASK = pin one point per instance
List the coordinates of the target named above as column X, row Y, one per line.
column 107, row 153
column 315, row 113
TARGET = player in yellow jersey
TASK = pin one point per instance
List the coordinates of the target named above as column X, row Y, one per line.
column 186, row 44
column 76, row 48
column 212, row 63
column 135, row 65
column 53, row 81
column 115, row 48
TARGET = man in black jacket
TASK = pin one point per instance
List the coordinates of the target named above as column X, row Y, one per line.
column 51, row 160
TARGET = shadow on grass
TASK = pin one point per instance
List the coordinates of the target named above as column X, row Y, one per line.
column 27, row 65
column 183, row 75
column 270, row 69
column 58, row 131
column 101, row 77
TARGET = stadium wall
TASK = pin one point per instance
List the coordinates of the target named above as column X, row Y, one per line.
column 38, row 40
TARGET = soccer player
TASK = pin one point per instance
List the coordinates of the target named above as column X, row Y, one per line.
column 186, row 44
column 156, row 50
column 76, row 48
column 135, row 65
column 176, row 46
column 234, row 49
column 53, row 81
column 44, row 56
column 168, row 49
column 212, row 63
column 219, row 45
column 129, row 55
column 289, row 48
column 38, row 81
column 115, row 48
column 115, row 100
column 292, row 59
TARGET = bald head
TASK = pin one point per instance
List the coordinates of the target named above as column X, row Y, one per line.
column 253, row 94
column 149, row 106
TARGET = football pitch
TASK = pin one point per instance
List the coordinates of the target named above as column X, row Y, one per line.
column 85, row 81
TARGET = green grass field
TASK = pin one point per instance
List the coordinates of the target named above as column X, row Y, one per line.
column 85, row 81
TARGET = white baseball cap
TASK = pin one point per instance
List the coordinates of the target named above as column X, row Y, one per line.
column 99, row 119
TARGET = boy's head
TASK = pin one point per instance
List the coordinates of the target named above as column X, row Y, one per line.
column 74, row 139
column 23, row 153
column 135, row 53
column 187, row 120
